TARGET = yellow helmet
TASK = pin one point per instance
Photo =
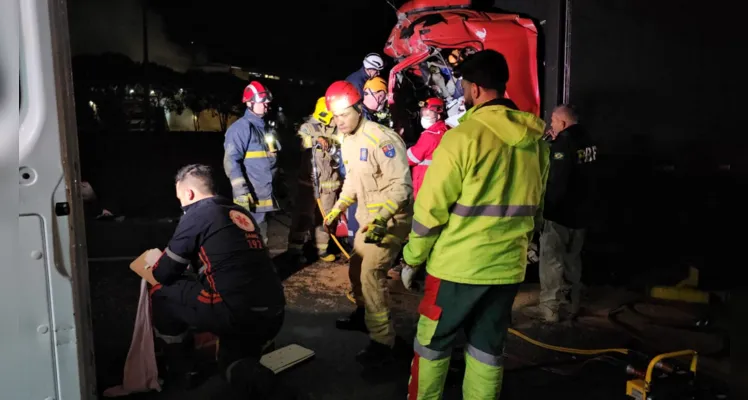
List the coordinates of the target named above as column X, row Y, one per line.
column 376, row 84
column 321, row 113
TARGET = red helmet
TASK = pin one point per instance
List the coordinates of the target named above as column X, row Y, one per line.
column 434, row 104
column 341, row 95
column 256, row 92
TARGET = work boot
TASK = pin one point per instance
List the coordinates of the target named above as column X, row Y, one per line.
column 326, row 257
column 354, row 322
column 541, row 312
column 177, row 364
column 375, row 355
column 251, row 379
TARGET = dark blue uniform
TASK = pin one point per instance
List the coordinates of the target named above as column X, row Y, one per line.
column 358, row 79
column 250, row 164
column 236, row 293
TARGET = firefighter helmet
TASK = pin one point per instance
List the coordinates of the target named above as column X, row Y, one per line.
column 373, row 61
column 341, row 95
column 256, row 92
column 434, row 104
column 321, row 113
column 376, row 84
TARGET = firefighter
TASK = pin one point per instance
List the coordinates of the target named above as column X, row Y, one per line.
column 567, row 204
column 419, row 156
column 378, row 179
column 236, row 294
column 318, row 136
column 473, row 220
column 372, row 66
column 250, row 156
column 375, row 102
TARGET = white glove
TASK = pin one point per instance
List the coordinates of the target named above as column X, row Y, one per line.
column 406, row 276
column 532, row 253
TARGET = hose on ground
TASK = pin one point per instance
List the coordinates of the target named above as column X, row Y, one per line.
column 568, row 350
column 334, row 238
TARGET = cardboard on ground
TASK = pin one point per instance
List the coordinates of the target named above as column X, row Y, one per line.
column 286, row 357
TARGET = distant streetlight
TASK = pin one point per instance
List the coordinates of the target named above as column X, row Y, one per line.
column 153, row 92
column 132, row 91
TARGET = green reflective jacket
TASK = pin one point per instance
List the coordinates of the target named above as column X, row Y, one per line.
column 474, row 215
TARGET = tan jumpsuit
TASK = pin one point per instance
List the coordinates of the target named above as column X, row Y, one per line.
column 329, row 185
column 378, row 178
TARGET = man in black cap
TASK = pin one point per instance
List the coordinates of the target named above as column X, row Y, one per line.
column 473, row 220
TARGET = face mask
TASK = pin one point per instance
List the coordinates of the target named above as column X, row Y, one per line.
column 426, row 122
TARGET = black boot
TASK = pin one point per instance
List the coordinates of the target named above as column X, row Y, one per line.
column 177, row 363
column 354, row 322
column 251, row 379
column 375, row 355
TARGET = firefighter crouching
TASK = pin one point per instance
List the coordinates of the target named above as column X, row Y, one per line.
column 474, row 218
column 233, row 290
column 250, row 157
column 318, row 138
column 378, row 179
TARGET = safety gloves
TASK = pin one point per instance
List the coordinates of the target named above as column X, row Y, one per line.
column 244, row 200
column 332, row 216
column 376, row 230
column 412, row 276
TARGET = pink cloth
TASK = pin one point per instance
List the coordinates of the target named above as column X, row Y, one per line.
column 141, row 373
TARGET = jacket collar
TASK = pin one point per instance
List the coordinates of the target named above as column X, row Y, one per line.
column 198, row 203
column 495, row 102
column 437, row 128
column 254, row 119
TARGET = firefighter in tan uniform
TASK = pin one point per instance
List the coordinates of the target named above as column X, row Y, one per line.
column 318, row 139
column 378, row 180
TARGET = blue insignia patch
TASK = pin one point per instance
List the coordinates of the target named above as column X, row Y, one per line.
column 388, row 149
column 364, row 154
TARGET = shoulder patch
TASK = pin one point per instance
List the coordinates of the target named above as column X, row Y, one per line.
column 242, row 221
column 388, row 149
column 558, row 156
column 364, row 155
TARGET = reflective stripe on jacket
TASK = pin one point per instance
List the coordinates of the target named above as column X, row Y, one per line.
column 474, row 215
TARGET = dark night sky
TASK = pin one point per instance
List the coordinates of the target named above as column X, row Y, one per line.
column 324, row 39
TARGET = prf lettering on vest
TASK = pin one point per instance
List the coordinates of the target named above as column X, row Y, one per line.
column 587, row 154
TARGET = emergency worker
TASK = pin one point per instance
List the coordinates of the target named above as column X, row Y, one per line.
column 566, row 215
column 372, row 66
column 318, row 137
column 250, row 156
column 378, row 179
column 375, row 102
column 419, row 156
column 233, row 290
column 473, row 220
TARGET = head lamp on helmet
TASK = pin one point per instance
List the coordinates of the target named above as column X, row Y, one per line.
column 321, row 113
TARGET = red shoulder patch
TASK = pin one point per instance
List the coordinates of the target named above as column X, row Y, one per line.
column 242, row 221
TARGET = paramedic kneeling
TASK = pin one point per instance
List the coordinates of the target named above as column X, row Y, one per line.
column 234, row 292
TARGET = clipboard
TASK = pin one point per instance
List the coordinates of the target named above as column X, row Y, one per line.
column 145, row 261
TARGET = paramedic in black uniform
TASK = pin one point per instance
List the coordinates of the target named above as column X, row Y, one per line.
column 216, row 275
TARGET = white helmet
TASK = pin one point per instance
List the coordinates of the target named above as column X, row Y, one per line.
column 373, row 61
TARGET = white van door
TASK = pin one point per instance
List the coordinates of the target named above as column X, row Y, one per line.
column 47, row 340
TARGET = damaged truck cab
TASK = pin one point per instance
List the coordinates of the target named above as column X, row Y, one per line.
column 428, row 31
